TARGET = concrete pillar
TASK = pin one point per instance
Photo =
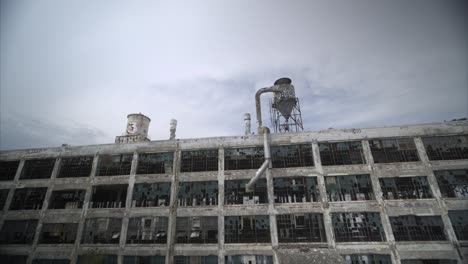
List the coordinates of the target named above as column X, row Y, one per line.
column 220, row 205
column 171, row 229
column 11, row 192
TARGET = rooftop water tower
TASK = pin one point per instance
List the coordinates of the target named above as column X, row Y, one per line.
column 136, row 129
column 284, row 108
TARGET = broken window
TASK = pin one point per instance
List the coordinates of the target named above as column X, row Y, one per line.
column 151, row 194
column 147, row 230
column 28, row 199
column 195, row 259
column 292, row 156
column 300, row 228
column 296, row 190
column 155, row 163
column 197, row 230
column 243, row 158
column 367, row 259
column 393, row 150
column 199, row 160
column 97, row 259
column 405, row 188
column 102, row 231
column 8, row 170
column 235, row 192
column 18, row 231
column 341, row 153
column 144, row 260
column 67, row 199
column 446, row 148
column 248, row 259
column 247, row 229
column 428, row 261
column 110, row 165
column 198, row 193
column 453, row 183
column 417, row 228
column 349, row 188
column 459, row 219
column 75, row 167
column 109, row 196
column 357, row 227
column 13, row 259
column 37, row 169
column 3, row 197
column 51, row 261
column 58, row 233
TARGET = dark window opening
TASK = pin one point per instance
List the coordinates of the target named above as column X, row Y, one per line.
column 197, row 230
column 18, row 231
column 110, row 165
column 28, row 199
column 235, row 192
column 247, row 229
column 349, row 188
column 13, row 259
column 367, row 259
column 102, row 231
column 243, row 158
column 109, row 196
column 144, row 260
column 8, row 170
column 195, row 259
column 459, row 219
column 151, row 194
column 292, row 156
column 97, row 259
column 75, row 167
column 296, row 190
column 453, row 183
column 155, row 163
column 417, row 228
column 3, row 197
column 341, row 153
column 300, row 228
column 58, row 233
column 357, row 227
column 446, row 148
column 37, row 169
column 147, row 230
column 405, row 188
column 248, row 259
column 428, row 261
column 199, row 160
column 393, row 150
column 51, row 261
column 67, row 199
column 198, row 193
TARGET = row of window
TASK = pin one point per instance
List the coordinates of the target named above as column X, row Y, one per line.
column 452, row 184
column 234, row 259
column 292, row 228
column 339, row 153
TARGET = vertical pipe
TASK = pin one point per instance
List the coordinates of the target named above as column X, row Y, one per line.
column 247, row 123
column 173, row 126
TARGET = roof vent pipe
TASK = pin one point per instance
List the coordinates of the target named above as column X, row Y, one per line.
column 247, row 123
column 173, row 126
column 266, row 163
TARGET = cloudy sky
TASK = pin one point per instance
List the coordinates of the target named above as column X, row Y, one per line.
column 71, row 71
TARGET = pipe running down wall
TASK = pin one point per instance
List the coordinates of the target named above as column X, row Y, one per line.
column 266, row 163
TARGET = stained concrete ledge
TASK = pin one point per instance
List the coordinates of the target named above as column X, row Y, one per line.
column 306, row 255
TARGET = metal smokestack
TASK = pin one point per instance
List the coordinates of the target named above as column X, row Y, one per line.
column 173, row 126
column 247, row 123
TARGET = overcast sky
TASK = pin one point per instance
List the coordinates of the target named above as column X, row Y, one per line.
column 71, row 71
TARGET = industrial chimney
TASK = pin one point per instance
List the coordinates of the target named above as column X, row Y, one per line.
column 136, row 129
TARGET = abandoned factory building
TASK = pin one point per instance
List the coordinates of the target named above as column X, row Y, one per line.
column 372, row 195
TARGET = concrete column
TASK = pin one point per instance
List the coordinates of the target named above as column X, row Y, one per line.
column 45, row 204
column 327, row 222
column 431, row 178
column 11, row 192
column 173, row 207
column 220, row 205
column 378, row 196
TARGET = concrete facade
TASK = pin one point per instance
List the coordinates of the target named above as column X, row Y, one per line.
column 449, row 249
